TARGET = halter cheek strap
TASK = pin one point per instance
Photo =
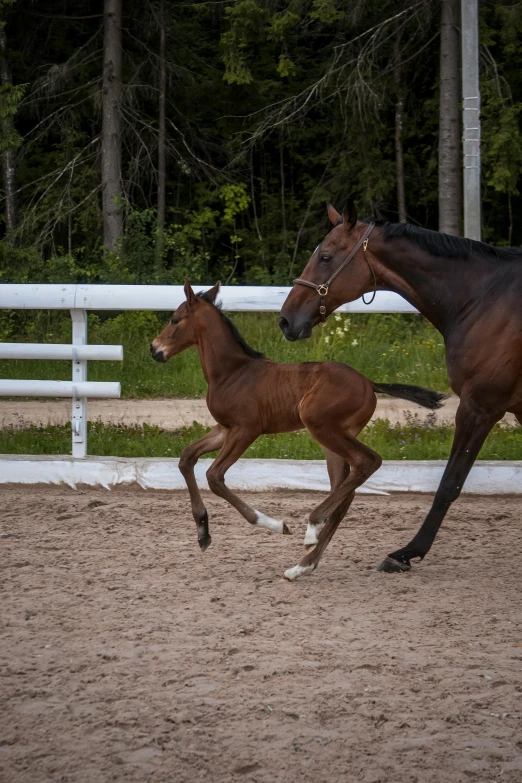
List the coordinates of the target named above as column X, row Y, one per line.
column 322, row 288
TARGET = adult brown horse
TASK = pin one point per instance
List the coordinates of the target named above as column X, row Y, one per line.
column 249, row 395
column 470, row 291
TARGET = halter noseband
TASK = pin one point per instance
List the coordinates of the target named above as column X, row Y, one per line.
column 322, row 288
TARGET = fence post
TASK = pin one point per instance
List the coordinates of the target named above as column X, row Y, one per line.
column 79, row 373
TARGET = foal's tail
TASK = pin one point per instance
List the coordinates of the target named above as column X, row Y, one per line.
column 425, row 397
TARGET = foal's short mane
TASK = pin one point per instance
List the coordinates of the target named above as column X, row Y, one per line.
column 445, row 245
column 240, row 341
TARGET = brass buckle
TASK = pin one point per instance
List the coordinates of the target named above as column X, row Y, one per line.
column 322, row 289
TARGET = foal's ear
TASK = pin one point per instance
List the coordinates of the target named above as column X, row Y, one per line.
column 213, row 292
column 349, row 214
column 333, row 214
column 189, row 293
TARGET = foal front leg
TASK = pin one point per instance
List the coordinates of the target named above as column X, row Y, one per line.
column 236, row 443
column 212, row 441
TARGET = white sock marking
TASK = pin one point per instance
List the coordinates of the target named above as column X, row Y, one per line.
column 312, row 531
column 294, row 573
column 275, row 525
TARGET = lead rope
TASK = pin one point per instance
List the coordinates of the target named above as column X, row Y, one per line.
column 365, row 245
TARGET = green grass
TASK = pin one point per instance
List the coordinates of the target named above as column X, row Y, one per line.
column 386, row 348
column 418, row 440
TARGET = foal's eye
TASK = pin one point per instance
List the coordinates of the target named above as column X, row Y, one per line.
column 325, row 258
column 174, row 321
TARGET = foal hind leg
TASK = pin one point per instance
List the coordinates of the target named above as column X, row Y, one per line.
column 362, row 462
column 212, row 441
column 236, row 442
column 338, row 470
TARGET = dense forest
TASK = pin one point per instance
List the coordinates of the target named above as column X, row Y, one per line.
column 146, row 140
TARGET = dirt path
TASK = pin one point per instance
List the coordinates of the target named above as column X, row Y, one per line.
column 128, row 655
column 171, row 414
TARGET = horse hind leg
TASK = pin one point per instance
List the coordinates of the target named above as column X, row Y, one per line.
column 338, row 470
column 472, row 426
column 359, row 462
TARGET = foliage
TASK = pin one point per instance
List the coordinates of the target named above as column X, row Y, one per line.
column 273, row 108
column 418, row 439
column 386, row 348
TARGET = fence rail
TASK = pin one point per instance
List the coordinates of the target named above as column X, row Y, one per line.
column 168, row 297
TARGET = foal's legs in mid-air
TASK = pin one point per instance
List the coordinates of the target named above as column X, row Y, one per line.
column 237, row 440
column 232, row 444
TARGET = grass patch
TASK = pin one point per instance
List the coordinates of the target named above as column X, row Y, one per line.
column 386, row 347
column 417, row 441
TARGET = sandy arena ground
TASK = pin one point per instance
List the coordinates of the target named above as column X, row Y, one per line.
column 126, row 654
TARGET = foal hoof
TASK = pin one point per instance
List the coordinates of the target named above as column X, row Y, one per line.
column 204, row 543
column 286, row 530
column 291, row 574
column 391, row 566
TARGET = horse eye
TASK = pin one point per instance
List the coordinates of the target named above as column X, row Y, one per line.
column 174, row 321
column 325, row 258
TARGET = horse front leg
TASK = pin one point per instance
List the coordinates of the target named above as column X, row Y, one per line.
column 472, row 425
column 236, row 443
column 212, row 441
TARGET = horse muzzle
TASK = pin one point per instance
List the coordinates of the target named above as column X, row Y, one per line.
column 157, row 354
column 295, row 331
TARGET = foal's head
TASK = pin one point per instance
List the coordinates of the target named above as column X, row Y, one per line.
column 180, row 332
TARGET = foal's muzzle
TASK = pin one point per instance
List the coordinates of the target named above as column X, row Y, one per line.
column 158, row 356
column 292, row 331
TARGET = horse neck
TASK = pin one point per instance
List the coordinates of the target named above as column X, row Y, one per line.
column 439, row 288
column 218, row 350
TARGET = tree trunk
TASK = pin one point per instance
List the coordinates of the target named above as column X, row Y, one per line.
column 282, row 175
column 450, row 178
column 111, row 125
column 162, row 141
column 8, row 158
column 399, row 118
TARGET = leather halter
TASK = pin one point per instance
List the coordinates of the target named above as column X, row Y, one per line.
column 322, row 288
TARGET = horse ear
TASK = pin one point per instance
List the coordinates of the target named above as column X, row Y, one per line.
column 213, row 292
column 349, row 214
column 333, row 214
column 189, row 293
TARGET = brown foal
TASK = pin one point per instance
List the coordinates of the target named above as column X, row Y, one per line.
column 250, row 395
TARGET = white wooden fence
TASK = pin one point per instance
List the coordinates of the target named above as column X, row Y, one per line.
column 417, row 476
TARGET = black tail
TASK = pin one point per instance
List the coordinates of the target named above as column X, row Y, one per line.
column 425, row 397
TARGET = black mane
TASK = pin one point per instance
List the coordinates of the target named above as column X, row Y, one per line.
column 240, row 341
column 447, row 246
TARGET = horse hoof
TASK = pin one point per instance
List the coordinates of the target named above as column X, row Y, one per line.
column 204, row 543
column 291, row 574
column 391, row 566
column 286, row 530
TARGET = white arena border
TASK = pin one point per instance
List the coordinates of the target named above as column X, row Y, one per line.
column 486, row 478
